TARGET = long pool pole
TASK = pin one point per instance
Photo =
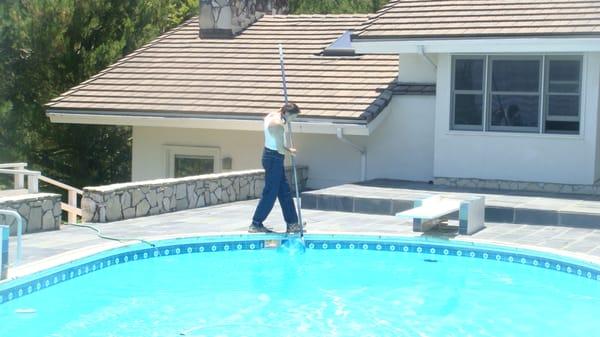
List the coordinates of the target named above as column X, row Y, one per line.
column 290, row 142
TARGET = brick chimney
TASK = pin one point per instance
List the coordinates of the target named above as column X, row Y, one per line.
column 228, row 18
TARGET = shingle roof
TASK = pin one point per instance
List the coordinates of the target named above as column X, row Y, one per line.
column 181, row 74
column 481, row 18
column 415, row 89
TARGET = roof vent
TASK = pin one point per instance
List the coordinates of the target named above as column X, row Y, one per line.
column 341, row 47
column 228, row 18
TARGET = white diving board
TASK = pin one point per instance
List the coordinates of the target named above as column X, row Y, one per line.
column 427, row 213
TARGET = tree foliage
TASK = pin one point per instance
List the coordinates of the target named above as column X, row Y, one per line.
column 334, row 6
column 49, row 46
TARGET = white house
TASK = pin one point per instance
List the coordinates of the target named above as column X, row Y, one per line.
column 472, row 93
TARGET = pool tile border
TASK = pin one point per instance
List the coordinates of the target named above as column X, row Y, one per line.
column 85, row 268
column 396, row 246
column 470, row 252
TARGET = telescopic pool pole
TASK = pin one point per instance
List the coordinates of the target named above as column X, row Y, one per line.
column 290, row 142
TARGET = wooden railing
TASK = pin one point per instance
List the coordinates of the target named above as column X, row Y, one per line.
column 19, row 177
column 33, row 178
column 71, row 207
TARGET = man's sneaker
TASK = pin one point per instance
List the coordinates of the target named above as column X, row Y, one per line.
column 294, row 228
column 258, row 229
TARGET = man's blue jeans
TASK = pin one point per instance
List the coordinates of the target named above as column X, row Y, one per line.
column 276, row 187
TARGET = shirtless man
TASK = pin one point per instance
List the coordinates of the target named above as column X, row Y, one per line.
column 276, row 184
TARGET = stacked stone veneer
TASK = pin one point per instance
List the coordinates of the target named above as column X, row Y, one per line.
column 523, row 186
column 40, row 212
column 138, row 199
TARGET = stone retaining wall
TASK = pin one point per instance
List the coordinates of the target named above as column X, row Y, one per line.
column 524, row 186
column 40, row 212
column 132, row 200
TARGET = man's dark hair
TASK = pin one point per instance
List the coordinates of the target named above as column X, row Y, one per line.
column 290, row 109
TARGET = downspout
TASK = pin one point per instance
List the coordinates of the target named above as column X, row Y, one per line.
column 421, row 50
column 363, row 153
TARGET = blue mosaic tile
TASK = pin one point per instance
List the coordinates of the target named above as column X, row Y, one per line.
column 436, row 249
column 209, row 247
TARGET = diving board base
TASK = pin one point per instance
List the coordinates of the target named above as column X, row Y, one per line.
column 424, row 225
column 471, row 216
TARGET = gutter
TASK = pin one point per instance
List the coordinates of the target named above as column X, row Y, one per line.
column 360, row 149
column 245, row 123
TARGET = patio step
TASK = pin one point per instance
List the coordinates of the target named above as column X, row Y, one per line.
column 539, row 209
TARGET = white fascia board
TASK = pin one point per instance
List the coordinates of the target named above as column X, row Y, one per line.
column 299, row 126
column 479, row 45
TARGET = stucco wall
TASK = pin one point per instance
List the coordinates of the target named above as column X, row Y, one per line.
column 400, row 148
column 412, row 142
column 330, row 161
column 568, row 159
column 150, row 156
column 415, row 68
column 597, row 172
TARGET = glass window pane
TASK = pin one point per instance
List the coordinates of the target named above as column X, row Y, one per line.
column 468, row 109
column 561, row 87
column 515, row 110
column 193, row 165
column 516, row 75
column 564, row 70
column 468, row 74
column 563, row 76
column 560, row 105
column 562, row 127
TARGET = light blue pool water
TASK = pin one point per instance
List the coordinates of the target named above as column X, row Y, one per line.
column 321, row 293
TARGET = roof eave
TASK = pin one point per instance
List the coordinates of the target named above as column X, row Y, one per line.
column 247, row 123
column 476, row 44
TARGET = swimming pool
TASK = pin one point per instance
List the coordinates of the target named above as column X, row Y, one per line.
column 342, row 286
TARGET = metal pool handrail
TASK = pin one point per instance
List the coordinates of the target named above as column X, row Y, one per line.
column 19, row 232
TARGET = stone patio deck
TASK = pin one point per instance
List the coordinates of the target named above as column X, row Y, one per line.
column 234, row 218
column 387, row 197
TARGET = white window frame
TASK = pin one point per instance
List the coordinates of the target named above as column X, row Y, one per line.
column 190, row 150
column 543, row 105
column 489, row 93
column 547, row 93
column 482, row 92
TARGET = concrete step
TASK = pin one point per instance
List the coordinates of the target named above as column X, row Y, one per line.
column 500, row 208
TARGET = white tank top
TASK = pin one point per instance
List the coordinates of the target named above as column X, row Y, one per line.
column 270, row 140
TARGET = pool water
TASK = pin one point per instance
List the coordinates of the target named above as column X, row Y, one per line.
column 320, row 293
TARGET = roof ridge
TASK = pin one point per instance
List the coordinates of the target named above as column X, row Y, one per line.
column 372, row 17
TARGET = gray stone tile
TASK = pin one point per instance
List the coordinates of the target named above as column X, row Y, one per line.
column 499, row 214
column 583, row 246
column 373, row 206
column 579, row 220
column 236, row 217
column 401, row 205
column 594, row 252
column 335, row 203
column 536, row 216
column 556, row 243
column 309, row 201
column 573, row 234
